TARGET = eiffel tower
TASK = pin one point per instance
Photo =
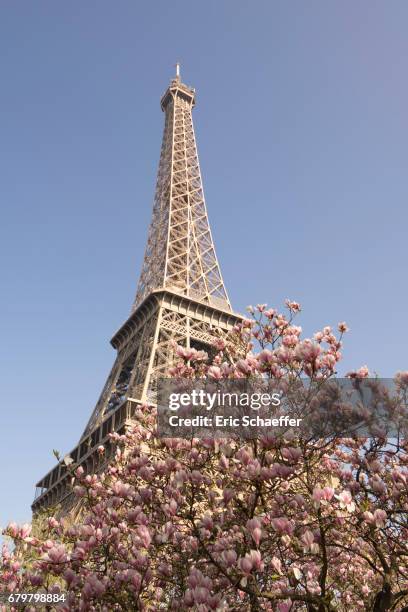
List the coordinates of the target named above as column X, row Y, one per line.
column 180, row 297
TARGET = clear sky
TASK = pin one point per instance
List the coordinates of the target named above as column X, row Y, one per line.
column 302, row 128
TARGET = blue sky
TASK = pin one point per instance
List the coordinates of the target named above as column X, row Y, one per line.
column 302, row 128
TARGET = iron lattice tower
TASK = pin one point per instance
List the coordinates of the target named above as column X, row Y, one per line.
column 180, row 296
column 180, row 253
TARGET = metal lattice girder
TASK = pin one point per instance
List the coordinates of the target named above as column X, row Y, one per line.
column 180, row 253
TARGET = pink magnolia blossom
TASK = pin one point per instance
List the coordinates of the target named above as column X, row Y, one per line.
column 324, row 495
column 261, row 307
column 379, row 517
column 273, row 523
column 361, row 373
column 144, row 535
column 401, row 379
column 270, row 313
column 276, row 564
column 283, row 525
column 343, row 327
column 12, row 529
column 293, row 306
column 215, row 372
column 346, row 501
column 57, row 554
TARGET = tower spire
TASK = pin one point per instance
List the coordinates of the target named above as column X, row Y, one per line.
column 180, row 253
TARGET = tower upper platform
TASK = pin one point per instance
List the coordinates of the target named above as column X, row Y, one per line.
column 177, row 88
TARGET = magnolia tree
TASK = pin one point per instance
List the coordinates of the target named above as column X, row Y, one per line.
column 264, row 524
